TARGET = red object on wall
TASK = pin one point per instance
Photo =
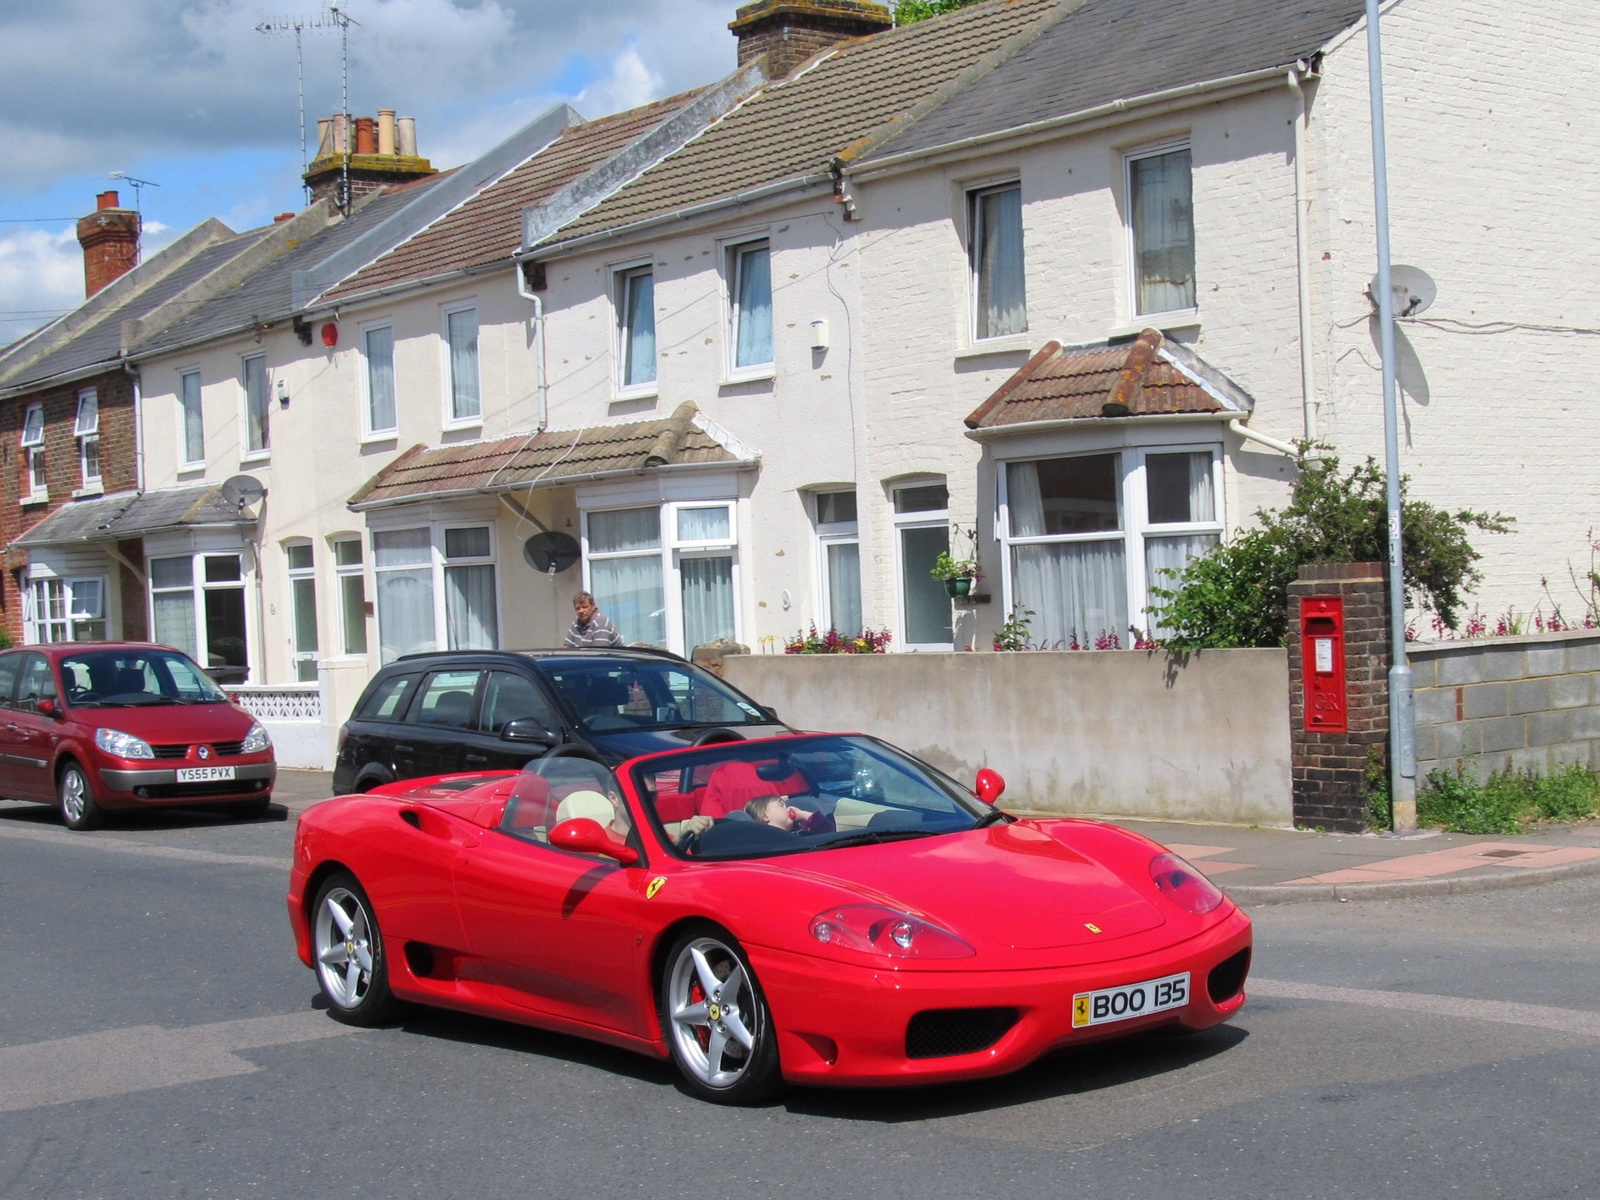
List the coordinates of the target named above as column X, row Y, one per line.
column 1322, row 648
column 330, row 334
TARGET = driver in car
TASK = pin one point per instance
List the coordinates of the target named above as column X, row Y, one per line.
column 621, row 824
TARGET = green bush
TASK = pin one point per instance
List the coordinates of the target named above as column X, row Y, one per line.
column 1507, row 800
column 908, row 11
column 1569, row 794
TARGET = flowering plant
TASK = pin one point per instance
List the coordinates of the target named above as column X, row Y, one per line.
column 945, row 567
column 833, row 642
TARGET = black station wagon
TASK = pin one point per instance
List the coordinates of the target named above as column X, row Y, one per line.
column 486, row 710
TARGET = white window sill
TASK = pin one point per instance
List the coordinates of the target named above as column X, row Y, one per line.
column 1183, row 318
column 754, row 375
column 1003, row 345
column 465, row 423
column 36, row 498
column 191, row 469
column 381, row 437
column 89, row 489
column 652, row 392
column 259, row 456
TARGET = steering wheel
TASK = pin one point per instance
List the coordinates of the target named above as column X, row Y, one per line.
column 566, row 750
column 716, row 735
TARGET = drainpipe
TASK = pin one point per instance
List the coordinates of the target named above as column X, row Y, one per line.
column 138, row 427
column 1266, row 439
column 541, row 382
column 1302, row 245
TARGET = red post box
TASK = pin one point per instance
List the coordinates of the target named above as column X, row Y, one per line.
column 1322, row 663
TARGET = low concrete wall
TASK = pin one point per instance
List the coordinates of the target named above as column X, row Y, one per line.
column 292, row 715
column 1518, row 702
column 1202, row 737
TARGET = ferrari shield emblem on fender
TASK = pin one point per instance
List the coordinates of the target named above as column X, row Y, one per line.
column 1091, row 927
column 654, row 886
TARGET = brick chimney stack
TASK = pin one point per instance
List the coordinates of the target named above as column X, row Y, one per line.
column 791, row 31
column 110, row 240
column 381, row 152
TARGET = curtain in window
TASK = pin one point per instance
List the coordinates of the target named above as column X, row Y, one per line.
column 1024, row 499
column 844, row 586
column 1164, row 558
column 1076, row 591
column 707, row 600
column 630, row 592
column 469, row 608
column 405, row 612
column 464, row 400
column 1163, row 231
column 380, row 379
column 927, row 603
column 639, row 330
column 1179, row 488
column 194, row 431
column 1002, row 302
column 703, row 525
column 172, row 620
column 755, row 308
column 624, row 530
column 255, row 396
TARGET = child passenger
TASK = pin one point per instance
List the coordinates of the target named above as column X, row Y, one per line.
column 780, row 814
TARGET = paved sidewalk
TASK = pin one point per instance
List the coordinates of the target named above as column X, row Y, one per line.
column 1257, row 865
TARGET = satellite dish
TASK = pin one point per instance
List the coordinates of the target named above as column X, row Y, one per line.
column 242, row 491
column 1412, row 287
column 551, row 553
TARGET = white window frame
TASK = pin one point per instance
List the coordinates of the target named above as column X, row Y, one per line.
column 438, row 563
column 73, row 593
column 732, row 251
column 1166, row 317
column 299, row 658
column 88, row 434
column 263, row 451
column 343, row 572
column 834, row 533
column 185, row 461
column 622, row 277
column 33, row 447
column 451, row 421
column 936, row 518
column 973, row 196
column 198, row 585
column 1133, row 509
column 369, row 431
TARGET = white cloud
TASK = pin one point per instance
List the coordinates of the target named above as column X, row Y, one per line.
column 41, row 276
column 629, row 84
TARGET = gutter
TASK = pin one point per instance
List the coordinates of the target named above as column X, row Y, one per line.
column 1082, row 424
column 1115, row 112
column 557, row 481
column 1302, row 246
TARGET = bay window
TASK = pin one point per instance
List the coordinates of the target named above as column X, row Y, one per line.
column 64, row 610
column 436, row 586
column 197, row 604
column 999, row 293
column 1161, row 227
column 922, row 533
column 1086, row 537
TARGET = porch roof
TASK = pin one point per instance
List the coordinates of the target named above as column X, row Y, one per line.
column 1149, row 376
column 554, row 458
column 126, row 515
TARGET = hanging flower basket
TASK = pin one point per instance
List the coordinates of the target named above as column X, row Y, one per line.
column 959, row 586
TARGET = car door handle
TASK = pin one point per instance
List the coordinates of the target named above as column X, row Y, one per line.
column 404, row 749
column 475, row 758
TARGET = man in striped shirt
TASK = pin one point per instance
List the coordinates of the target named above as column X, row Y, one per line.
column 592, row 628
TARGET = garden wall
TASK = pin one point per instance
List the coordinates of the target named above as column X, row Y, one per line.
column 1201, row 737
column 1514, row 702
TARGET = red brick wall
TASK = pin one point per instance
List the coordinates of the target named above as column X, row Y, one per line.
column 63, row 473
column 791, row 31
column 1328, row 770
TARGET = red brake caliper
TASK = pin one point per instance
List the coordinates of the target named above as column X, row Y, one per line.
column 702, row 1033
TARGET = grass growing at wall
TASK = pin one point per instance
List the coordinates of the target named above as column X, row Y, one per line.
column 1507, row 801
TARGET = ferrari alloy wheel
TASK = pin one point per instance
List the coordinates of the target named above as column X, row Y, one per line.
column 78, row 808
column 351, row 968
column 717, row 1022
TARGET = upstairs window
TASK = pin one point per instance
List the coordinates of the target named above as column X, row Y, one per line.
column 257, row 411
column 1161, row 221
column 32, row 442
column 1000, row 307
column 194, row 429
column 86, row 428
column 750, row 275
column 377, row 349
column 461, row 342
column 636, row 328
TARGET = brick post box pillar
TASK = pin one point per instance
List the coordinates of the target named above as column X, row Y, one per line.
column 1329, row 768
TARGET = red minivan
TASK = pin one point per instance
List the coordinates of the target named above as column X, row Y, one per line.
column 92, row 727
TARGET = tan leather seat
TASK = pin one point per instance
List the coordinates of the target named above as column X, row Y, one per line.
column 588, row 804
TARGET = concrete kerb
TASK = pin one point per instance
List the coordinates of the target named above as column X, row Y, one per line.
column 1408, row 889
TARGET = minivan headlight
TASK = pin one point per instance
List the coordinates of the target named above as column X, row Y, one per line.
column 122, row 745
column 256, row 740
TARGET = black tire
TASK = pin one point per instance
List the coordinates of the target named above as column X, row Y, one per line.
column 351, row 963
column 710, row 1055
column 75, row 799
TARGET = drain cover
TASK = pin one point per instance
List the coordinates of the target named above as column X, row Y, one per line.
column 1501, row 853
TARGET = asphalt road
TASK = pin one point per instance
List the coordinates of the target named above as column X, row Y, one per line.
column 158, row 1038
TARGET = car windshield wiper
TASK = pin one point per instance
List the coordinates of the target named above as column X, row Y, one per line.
column 871, row 837
column 992, row 817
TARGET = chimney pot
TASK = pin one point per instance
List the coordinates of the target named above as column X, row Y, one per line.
column 106, row 200
column 405, row 137
column 366, row 135
column 282, row 217
column 386, row 131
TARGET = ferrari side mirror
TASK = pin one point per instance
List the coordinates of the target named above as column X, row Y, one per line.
column 990, row 785
column 584, row 836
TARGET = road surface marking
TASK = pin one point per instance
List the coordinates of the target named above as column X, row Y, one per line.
column 1504, row 1012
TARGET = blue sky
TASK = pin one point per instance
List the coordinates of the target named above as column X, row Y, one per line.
column 186, row 94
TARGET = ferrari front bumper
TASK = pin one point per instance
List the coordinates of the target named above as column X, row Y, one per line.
column 843, row 1024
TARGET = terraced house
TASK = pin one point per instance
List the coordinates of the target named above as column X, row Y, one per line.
column 1052, row 282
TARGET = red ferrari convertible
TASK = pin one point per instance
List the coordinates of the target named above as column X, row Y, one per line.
column 819, row 909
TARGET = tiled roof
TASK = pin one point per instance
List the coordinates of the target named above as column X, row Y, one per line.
column 1147, row 377
column 134, row 514
column 553, row 458
column 1116, row 49
column 796, row 127
column 488, row 228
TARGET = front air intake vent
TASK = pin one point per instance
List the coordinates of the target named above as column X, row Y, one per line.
column 1227, row 977
column 946, row 1032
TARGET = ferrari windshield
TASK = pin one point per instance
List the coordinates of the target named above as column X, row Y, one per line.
column 611, row 695
column 141, row 678
column 794, row 795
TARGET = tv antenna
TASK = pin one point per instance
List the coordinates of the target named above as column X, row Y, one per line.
column 138, row 185
column 334, row 18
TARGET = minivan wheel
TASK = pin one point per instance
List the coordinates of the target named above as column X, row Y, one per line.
column 76, row 799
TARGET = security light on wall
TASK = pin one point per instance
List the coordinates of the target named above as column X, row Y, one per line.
column 283, row 392
column 819, row 335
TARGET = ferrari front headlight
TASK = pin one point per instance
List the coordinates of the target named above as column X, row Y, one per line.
column 875, row 929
